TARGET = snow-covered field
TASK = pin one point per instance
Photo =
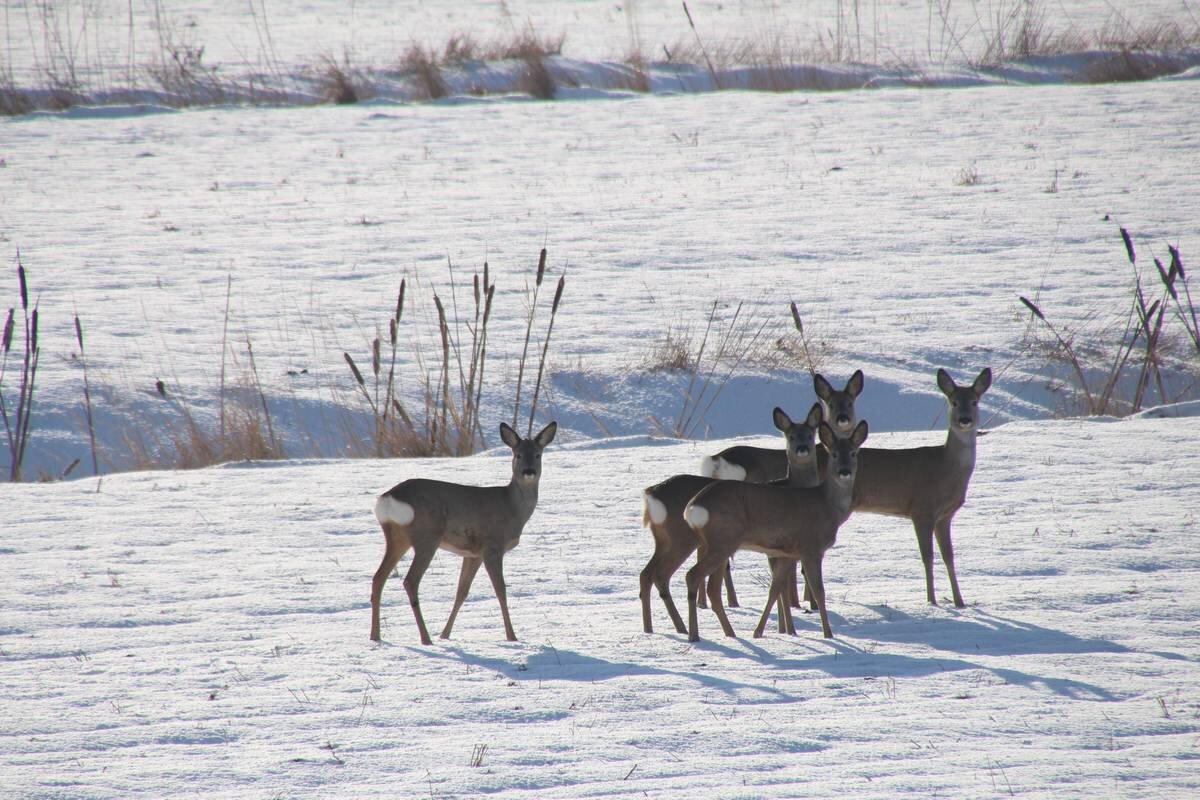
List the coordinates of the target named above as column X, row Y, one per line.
column 205, row 633
column 177, row 633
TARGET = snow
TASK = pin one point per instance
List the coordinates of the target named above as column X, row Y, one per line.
column 205, row 632
column 183, row 633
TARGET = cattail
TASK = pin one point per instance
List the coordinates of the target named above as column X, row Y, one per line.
column 400, row 300
column 475, row 287
column 6, row 343
column 796, row 318
column 541, row 270
column 392, row 331
column 21, row 281
column 557, row 296
column 1176, row 261
column 1168, row 278
column 545, row 347
column 87, row 398
column 33, row 330
column 1128, row 246
column 375, row 357
column 354, row 368
column 1037, row 312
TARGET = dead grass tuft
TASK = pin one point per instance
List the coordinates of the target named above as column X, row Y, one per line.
column 340, row 82
column 422, row 65
column 535, row 78
column 1131, row 65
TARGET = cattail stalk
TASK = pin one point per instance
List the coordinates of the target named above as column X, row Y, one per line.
column 545, row 347
column 87, row 395
column 703, row 50
column 487, row 313
column 541, row 270
column 444, row 329
column 276, row 449
column 224, row 347
column 1066, row 348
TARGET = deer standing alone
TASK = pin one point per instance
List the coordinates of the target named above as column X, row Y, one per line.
column 479, row 523
column 787, row 523
column 765, row 464
column 674, row 540
column 928, row 484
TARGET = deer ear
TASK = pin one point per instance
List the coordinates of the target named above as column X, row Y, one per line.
column 946, row 383
column 546, row 435
column 982, row 382
column 854, row 386
column 860, row 434
column 822, row 387
column 827, row 436
column 509, row 436
column 815, row 415
column 781, row 419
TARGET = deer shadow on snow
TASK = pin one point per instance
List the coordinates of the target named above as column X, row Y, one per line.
column 860, row 650
column 543, row 662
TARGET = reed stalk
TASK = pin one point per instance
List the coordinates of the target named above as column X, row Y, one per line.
column 545, row 347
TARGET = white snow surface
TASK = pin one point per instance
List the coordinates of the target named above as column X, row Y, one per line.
column 204, row 633
column 653, row 207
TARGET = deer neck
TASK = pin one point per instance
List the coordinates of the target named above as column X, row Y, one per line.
column 960, row 448
column 523, row 495
column 838, row 495
column 803, row 475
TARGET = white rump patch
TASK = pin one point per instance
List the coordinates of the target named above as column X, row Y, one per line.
column 725, row 471
column 655, row 508
column 389, row 509
column 696, row 516
column 709, row 465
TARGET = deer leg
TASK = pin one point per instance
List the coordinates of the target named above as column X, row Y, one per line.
column 644, row 582
column 776, row 596
column 794, row 587
column 714, row 600
column 422, row 555
column 780, row 602
column 668, row 564
column 924, row 529
column 695, row 585
column 700, row 578
column 729, row 592
column 812, row 572
column 942, row 531
column 470, row 566
column 396, row 545
column 808, row 595
column 494, row 564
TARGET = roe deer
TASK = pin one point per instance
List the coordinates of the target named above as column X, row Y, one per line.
column 664, row 502
column 788, row 523
column 764, row 464
column 479, row 523
column 928, row 484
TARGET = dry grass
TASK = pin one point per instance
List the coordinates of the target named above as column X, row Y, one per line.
column 340, row 82
column 536, row 79
column 451, row 381
column 673, row 352
column 968, row 175
column 17, row 413
column 777, row 61
column 1115, row 362
column 422, row 65
column 1130, row 65
column 709, row 358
